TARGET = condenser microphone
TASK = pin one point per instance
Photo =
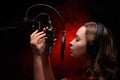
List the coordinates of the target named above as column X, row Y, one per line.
column 49, row 31
column 50, row 37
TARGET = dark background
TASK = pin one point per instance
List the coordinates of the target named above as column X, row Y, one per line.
column 14, row 42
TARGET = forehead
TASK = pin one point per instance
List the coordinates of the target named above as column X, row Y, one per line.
column 81, row 31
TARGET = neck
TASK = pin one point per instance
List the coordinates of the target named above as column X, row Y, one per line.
column 84, row 60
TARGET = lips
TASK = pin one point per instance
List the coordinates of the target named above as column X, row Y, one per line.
column 71, row 50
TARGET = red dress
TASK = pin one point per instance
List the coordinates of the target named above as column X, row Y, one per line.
column 81, row 75
column 80, row 78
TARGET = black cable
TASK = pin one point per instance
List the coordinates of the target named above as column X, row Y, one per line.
column 59, row 15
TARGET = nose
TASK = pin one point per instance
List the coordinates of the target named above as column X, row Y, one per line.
column 71, row 43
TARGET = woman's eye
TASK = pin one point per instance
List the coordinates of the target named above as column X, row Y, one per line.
column 77, row 40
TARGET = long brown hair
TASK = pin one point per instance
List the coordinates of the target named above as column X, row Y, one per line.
column 104, row 63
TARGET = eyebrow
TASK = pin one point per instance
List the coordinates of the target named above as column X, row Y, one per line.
column 76, row 36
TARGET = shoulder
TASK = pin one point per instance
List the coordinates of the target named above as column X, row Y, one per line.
column 64, row 79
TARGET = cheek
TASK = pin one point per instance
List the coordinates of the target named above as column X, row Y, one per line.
column 79, row 49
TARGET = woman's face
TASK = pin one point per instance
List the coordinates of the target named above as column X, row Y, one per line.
column 78, row 44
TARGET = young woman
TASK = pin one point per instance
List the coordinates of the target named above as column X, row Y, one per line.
column 93, row 42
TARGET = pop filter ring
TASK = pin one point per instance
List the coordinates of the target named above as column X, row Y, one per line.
column 62, row 21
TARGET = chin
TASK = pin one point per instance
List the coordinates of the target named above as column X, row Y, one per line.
column 73, row 55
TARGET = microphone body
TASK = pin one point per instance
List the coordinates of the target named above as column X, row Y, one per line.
column 50, row 37
column 49, row 40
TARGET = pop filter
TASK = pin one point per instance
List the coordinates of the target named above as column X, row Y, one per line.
column 63, row 37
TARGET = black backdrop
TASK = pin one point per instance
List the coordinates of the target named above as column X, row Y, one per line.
column 11, row 12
